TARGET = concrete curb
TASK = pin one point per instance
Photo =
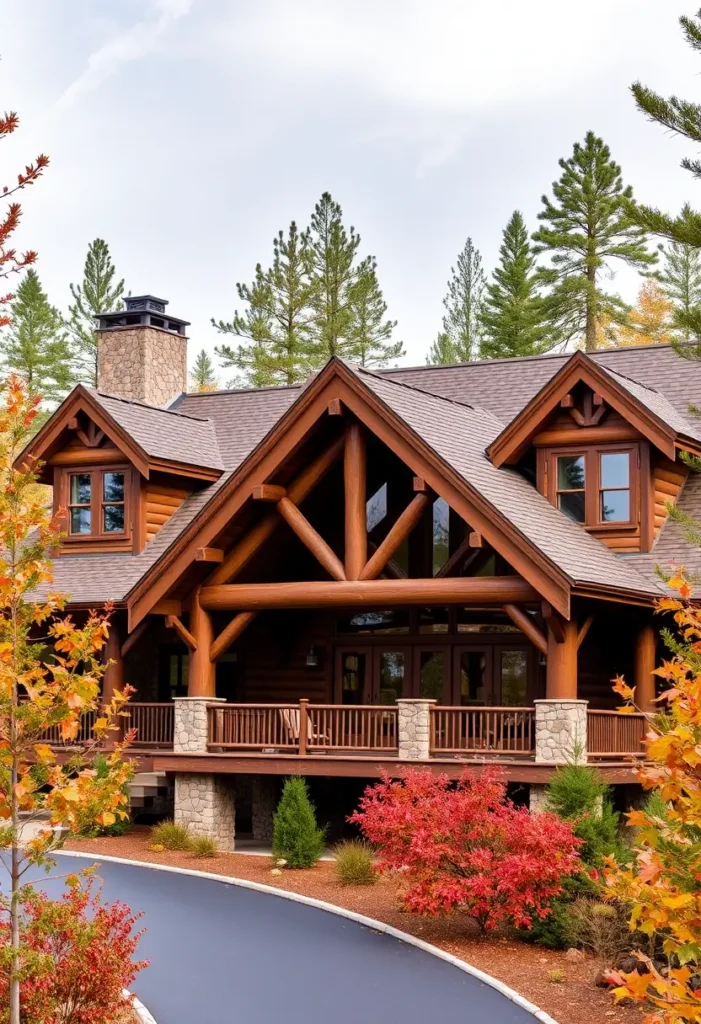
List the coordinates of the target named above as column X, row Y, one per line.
column 331, row 908
column 144, row 1015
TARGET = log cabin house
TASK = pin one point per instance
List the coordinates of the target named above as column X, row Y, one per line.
column 439, row 565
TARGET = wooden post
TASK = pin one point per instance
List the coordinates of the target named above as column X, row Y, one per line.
column 113, row 678
column 201, row 681
column 303, row 726
column 644, row 668
column 354, row 473
column 561, row 673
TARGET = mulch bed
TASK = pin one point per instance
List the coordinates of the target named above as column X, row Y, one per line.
column 525, row 968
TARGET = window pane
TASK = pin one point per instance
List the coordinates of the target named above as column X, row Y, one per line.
column 352, row 678
column 572, row 505
column 113, row 518
column 376, row 508
column 80, row 520
column 514, row 677
column 80, row 489
column 615, row 469
column 473, row 688
column 391, row 676
column 431, row 675
column 570, row 472
column 113, row 487
column 615, row 506
column 441, row 533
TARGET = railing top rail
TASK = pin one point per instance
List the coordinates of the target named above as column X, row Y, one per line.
column 617, row 712
column 455, row 707
column 352, row 707
column 148, row 704
column 251, row 707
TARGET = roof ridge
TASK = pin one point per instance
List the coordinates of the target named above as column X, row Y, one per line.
column 414, row 387
column 152, row 408
column 239, row 391
column 640, row 384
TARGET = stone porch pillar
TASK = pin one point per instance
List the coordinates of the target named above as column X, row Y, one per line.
column 414, row 728
column 560, row 730
column 204, row 802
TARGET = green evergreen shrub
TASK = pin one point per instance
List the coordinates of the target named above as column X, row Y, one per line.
column 297, row 838
column 171, row 836
column 354, row 863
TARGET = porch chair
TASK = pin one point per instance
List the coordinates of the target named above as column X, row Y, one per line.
column 290, row 721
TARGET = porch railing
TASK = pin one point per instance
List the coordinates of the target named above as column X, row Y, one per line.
column 255, row 726
column 611, row 734
column 154, row 724
column 85, row 734
column 336, row 727
column 503, row 730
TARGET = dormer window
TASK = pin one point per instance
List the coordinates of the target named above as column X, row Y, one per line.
column 96, row 500
column 596, row 486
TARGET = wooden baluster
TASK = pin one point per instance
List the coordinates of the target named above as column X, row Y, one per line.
column 303, row 726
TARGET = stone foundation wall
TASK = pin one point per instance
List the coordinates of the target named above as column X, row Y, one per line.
column 205, row 804
column 263, row 805
column 536, row 797
column 560, row 730
column 413, row 728
column 143, row 363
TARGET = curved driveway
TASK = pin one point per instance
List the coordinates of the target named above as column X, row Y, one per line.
column 221, row 954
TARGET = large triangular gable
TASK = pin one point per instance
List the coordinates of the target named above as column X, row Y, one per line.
column 629, row 402
column 340, row 383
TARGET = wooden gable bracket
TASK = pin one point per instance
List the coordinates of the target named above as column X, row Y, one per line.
column 584, row 629
column 553, row 622
column 397, row 534
column 134, row 637
column 209, row 555
column 527, row 626
column 92, row 437
column 229, row 634
column 593, row 409
column 173, row 622
column 392, row 569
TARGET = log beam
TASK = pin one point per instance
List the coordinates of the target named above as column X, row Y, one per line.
column 398, row 533
column 354, row 481
column 527, row 626
column 269, row 492
column 174, row 623
column 230, row 633
column 242, row 552
column 458, row 556
column 391, row 568
column 645, row 652
column 498, row 590
column 201, row 679
column 134, row 637
column 209, row 555
column 584, row 629
column 299, row 523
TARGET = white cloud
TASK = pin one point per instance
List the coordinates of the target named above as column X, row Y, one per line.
column 134, row 43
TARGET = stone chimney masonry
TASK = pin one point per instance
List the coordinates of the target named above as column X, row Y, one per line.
column 142, row 352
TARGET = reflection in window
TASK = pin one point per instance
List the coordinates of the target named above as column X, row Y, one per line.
column 376, row 622
column 433, row 620
column 441, row 534
column 514, row 678
column 376, row 508
column 80, row 513
column 391, row 676
column 431, row 675
column 571, row 482
column 352, row 678
column 113, row 502
column 614, row 483
column 473, row 688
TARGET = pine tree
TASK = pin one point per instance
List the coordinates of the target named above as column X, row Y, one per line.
column 99, row 293
column 442, row 351
column 513, row 315
column 203, row 377
column 334, row 272
column 278, row 319
column 370, row 334
column 680, row 278
column 587, row 225
column 296, row 836
column 35, row 345
column 463, row 304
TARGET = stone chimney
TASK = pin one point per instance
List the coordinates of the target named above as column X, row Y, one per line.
column 142, row 352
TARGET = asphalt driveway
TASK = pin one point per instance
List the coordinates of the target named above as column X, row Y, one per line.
column 221, row 954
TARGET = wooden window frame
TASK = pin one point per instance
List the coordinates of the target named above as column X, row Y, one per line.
column 592, row 486
column 98, row 537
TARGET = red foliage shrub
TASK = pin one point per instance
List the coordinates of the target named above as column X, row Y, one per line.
column 467, row 847
column 77, row 957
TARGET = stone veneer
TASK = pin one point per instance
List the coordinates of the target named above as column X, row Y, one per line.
column 413, row 728
column 560, row 730
column 190, row 732
column 537, row 797
column 206, row 805
column 142, row 362
column 263, row 804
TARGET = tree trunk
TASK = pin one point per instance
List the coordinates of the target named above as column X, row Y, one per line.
column 591, row 308
column 15, row 874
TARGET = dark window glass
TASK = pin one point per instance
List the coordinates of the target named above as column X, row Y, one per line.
column 113, row 487
column 431, row 674
column 570, row 472
column 391, row 676
column 615, row 506
column 80, row 520
column 352, row 678
column 615, row 470
column 433, row 620
column 113, row 518
column 514, row 678
column 80, row 489
column 473, row 688
column 441, row 533
column 378, row 622
column 376, row 508
column 572, row 504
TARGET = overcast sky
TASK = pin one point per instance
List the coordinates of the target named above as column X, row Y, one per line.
column 187, row 132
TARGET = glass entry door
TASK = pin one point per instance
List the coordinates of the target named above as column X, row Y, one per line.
column 352, row 677
column 473, row 682
column 391, row 671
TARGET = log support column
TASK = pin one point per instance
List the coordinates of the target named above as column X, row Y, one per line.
column 113, row 678
column 561, row 674
column 201, row 681
column 354, row 474
column 645, row 651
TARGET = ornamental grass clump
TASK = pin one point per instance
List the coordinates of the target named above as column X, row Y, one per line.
column 355, row 862
column 203, row 846
column 466, row 847
column 297, row 838
column 171, row 836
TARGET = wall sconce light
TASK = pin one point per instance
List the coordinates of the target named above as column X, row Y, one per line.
column 312, row 658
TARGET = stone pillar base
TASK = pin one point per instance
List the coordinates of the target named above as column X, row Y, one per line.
column 537, row 801
column 263, row 804
column 560, row 731
column 205, row 805
column 414, row 728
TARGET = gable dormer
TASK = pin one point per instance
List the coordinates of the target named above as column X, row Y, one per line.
column 604, row 449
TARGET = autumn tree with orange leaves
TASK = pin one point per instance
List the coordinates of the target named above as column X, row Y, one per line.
column 11, row 261
column 664, row 884
column 650, row 321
